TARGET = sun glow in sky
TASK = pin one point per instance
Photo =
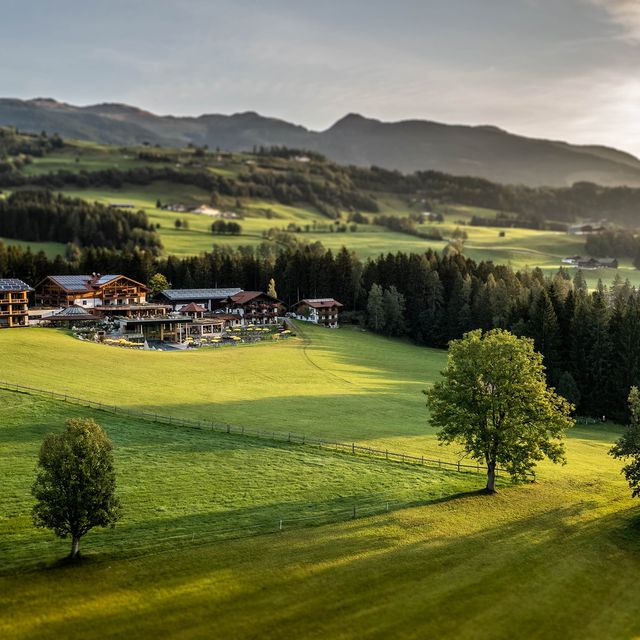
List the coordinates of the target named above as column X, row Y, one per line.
column 564, row 69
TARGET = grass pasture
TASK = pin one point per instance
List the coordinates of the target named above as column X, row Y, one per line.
column 454, row 564
column 179, row 484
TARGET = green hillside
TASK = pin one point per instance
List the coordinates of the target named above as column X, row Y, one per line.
column 324, row 217
column 455, row 563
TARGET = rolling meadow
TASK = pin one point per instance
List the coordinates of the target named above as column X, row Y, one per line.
column 200, row 551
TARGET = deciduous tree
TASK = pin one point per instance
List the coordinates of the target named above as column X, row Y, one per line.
column 628, row 446
column 75, row 483
column 494, row 401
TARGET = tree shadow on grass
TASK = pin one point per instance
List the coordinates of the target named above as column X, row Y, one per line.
column 536, row 576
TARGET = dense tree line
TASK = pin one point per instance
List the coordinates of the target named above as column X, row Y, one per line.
column 407, row 225
column 538, row 204
column 505, row 220
column 13, row 143
column 329, row 196
column 43, row 216
column 614, row 244
column 590, row 340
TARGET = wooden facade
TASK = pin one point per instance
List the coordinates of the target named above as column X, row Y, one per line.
column 14, row 303
column 90, row 291
column 255, row 307
column 323, row 311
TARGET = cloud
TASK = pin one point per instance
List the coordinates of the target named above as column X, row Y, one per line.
column 624, row 13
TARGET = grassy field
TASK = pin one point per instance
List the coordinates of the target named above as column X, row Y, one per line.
column 345, row 383
column 180, row 484
column 51, row 249
column 463, row 565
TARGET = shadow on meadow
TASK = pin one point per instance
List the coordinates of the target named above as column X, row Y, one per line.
column 450, row 570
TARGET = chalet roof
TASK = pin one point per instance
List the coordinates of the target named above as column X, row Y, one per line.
column 198, row 294
column 192, row 307
column 85, row 283
column 247, row 296
column 320, row 303
column 13, row 284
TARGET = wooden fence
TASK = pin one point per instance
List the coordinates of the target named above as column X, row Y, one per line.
column 334, row 445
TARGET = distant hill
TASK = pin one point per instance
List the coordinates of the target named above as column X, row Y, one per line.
column 410, row 145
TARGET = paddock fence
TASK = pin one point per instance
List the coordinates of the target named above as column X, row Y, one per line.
column 352, row 448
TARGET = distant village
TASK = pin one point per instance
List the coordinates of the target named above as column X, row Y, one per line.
column 115, row 309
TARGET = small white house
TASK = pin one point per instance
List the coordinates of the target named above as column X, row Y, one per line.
column 322, row 311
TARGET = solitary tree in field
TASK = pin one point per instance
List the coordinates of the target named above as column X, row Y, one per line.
column 75, row 484
column 628, row 446
column 495, row 402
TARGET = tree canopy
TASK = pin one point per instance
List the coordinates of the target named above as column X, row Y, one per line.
column 75, row 483
column 628, row 446
column 494, row 401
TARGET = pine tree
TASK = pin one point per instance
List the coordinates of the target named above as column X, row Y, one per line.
column 375, row 309
column 394, row 305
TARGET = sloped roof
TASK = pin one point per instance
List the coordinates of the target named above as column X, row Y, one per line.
column 72, row 313
column 193, row 307
column 72, row 283
column 198, row 294
column 13, row 284
column 84, row 283
column 320, row 303
column 246, row 296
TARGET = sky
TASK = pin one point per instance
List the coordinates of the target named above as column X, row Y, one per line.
column 562, row 69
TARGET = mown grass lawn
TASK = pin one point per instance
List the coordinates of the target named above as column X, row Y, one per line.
column 181, row 485
column 558, row 558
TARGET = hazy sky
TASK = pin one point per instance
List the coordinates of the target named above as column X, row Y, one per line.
column 567, row 69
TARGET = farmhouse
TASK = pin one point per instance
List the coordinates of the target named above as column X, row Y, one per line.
column 90, row 291
column 322, row 311
column 14, row 303
column 591, row 263
column 210, row 299
column 255, row 307
column 587, row 228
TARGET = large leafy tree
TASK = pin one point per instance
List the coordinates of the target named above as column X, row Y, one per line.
column 494, row 401
column 75, row 483
column 628, row 446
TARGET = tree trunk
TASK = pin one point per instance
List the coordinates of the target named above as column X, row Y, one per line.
column 491, row 476
column 75, row 546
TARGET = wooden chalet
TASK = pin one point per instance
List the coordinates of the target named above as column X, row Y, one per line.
column 255, row 307
column 90, row 291
column 14, row 303
column 322, row 311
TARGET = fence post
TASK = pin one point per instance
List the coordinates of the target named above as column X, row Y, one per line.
column 386, row 454
column 280, row 525
column 458, row 465
column 228, row 428
column 353, row 450
column 422, row 458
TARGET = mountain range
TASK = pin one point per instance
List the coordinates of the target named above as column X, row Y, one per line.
column 409, row 145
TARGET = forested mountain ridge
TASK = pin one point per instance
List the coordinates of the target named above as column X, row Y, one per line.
column 408, row 146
